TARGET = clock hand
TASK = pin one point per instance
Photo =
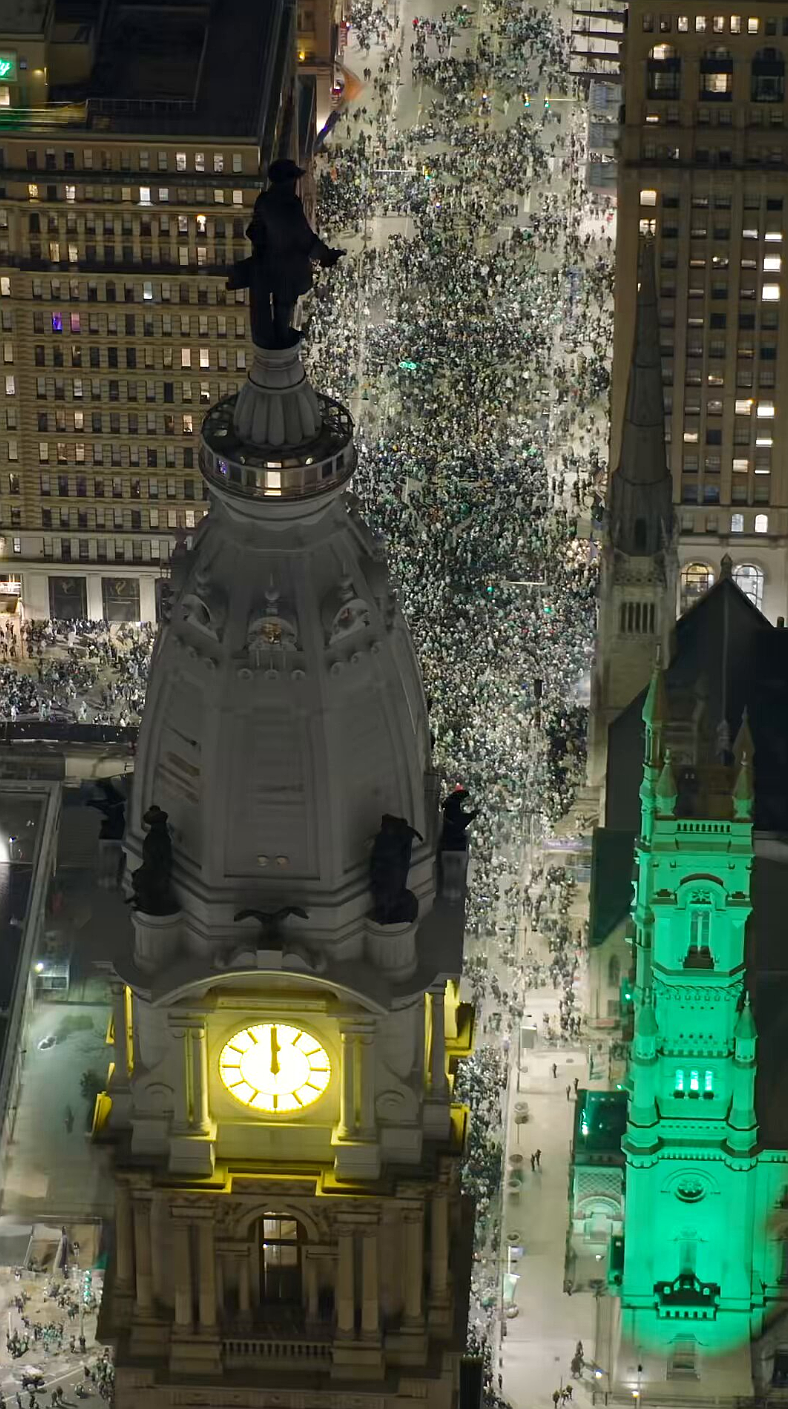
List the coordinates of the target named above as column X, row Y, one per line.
column 274, row 1052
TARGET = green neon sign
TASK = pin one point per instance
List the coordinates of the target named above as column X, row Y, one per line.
column 8, row 66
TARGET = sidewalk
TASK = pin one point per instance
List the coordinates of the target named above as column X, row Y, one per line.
column 540, row 1340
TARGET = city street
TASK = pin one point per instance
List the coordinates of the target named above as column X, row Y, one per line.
column 534, row 1345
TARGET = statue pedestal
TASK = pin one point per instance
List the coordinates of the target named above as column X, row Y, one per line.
column 156, row 939
column 276, row 406
column 392, row 948
column 453, row 872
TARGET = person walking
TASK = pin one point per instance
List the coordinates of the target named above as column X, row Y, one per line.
column 538, row 1158
column 555, row 1070
column 568, row 1093
column 576, row 1084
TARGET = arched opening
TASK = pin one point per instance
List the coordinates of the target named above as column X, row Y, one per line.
column 641, row 535
column 663, row 72
column 696, row 579
column 749, row 579
column 716, row 76
column 614, row 971
column 767, row 77
column 281, row 1240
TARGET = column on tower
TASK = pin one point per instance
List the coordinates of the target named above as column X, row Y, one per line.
column 207, row 1272
column 312, row 1290
column 200, row 1119
column 439, row 1246
column 124, row 1239
column 182, row 1259
column 244, row 1287
column 366, row 1083
column 142, row 1253
column 438, row 1042
column 347, row 1084
column 370, row 1290
column 413, row 1267
column 181, row 1077
column 345, row 1286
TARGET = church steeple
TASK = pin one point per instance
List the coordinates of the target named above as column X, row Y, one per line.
column 640, row 509
column 639, row 564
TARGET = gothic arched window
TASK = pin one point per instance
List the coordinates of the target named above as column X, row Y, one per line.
column 750, row 579
column 614, row 971
column 280, row 1260
column 696, row 579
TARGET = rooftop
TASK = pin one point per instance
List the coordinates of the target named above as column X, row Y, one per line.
column 23, row 16
column 197, row 68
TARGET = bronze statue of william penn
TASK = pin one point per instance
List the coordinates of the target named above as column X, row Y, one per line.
column 279, row 269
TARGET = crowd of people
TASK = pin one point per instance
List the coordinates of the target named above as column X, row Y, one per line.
column 469, row 331
column 85, row 672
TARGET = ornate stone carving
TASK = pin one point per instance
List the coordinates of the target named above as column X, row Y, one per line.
column 204, row 605
column 344, row 613
column 272, row 629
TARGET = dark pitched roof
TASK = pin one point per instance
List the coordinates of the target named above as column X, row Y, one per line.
column 729, row 655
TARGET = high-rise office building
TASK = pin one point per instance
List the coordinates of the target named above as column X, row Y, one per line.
column 702, row 167
column 132, row 140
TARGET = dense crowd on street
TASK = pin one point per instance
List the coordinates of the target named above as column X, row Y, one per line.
column 468, row 328
column 82, row 672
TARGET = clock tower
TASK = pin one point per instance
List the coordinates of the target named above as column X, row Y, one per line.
column 289, row 1226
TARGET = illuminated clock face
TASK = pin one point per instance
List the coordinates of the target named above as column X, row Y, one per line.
column 274, row 1067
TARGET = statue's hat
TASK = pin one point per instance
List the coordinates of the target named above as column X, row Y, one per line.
column 284, row 170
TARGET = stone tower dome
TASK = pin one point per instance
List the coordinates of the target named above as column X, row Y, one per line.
column 285, row 711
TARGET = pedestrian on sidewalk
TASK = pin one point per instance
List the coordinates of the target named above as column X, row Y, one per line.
column 538, row 1158
column 555, row 1070
column 556, row 1397
column 568, row 1093
column 533, row 1163
column 577, row 1083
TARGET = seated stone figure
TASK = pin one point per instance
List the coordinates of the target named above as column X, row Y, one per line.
column 393, row 903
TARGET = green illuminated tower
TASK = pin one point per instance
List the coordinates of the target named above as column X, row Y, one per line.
column 689, row 1286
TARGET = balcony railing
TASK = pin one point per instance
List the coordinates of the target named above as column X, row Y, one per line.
column 238, row 1351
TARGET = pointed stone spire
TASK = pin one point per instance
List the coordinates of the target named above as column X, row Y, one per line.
column 744, row 743
column 726, row 566
column 655, row 707
column 667, row 791
column 745, row 1029
column 743, row 792
column 646, row 1026
column 640, row 506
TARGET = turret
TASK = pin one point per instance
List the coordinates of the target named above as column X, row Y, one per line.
column 742, row 1120
column 643, row 1079
column 655, row 714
